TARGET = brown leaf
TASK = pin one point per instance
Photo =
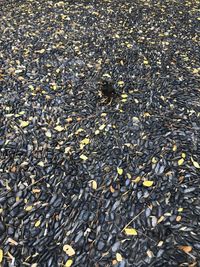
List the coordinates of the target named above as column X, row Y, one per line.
column 186, row 249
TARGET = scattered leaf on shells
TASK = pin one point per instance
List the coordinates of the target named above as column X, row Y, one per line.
column 59, row 128
column 68, row 250
column 180, row 209
column 79, row 131
column 174, row 148
column 67, row 149
column 119, row 257
column 41, row 164
column 68, row 263
column 48, row 134
column 85, row 141
column 124, row 95
column 24, row 124
column 195, row 163
column 102, row 127
column 130, row 231
column 93, row 184
column 37, row 223
column 146, row 62
column 96, row 132
column 160, row 243
column 69, row 120
column 119, row 171
column 28, row 208
column 147, row 183
column 83, row 157
column 120, row 83
column 178, row 218
column 186, row 249
column 1, row 255
column 137, row 179
column 183, row 155
column 180, row 161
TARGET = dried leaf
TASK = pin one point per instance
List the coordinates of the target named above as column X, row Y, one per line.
column 180, row 161
column 119, row 257
column 48, row 134
column 195, row 163
column 102, row 127
column 124, row 95
column 68, row 263
column 186, row 249
column 28, row 208
column 85, row 141
column 183, row 155
column 174, row 147
column 41, row 164
column 37, row 223
column 137, row 179
column 119, row 171
column 1, row 255
column 59, row 128
column 68, row 250
column 121, row 83
column 83, row 157
column 93, row 184
column 24, row 124
column 147, row 183
column 130, row 231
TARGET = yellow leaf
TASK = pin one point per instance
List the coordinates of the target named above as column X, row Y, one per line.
column 137, row 179
column 24, row 124
column 1, row 255
column 68, row 250
column 96, row 132
column 174, row 148
column 154, row 160
column 180, row 161
column 124, row 95
column 103, row 114
column 85, row 141
column 195, row 163
column 93, row 184
column 147, row 183
column 121, row 83
column 119, row 171
column 41, row 164
column 183, row 155
column 37, row 224
column 59, row 128
column 102, row 127
column 28, row 208
column 68, row 263
column 79, row 131
column 124, row 100
column 129, row 45
column 146, row 62
column 130, row 231
column 186, row 249
column 129, row 175
column 83, row 157
column 119, row 257
column 180, row 209
column 48, row 134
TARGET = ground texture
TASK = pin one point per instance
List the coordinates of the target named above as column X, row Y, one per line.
column 91, row 181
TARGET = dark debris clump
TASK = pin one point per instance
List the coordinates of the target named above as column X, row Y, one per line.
column 99, row 133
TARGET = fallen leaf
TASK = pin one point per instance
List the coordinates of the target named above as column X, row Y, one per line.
column 102, row 127
column 137, row 179
column 183, row 155
column 59, row 128
column 37, row 224
column 147, row 183
column 130, row 231
column 119, row 257
column 121, row 83
column 24, row 124
column 195, row 163
column 68, row 263
column 93, row 184
column 28, row 208
column 1, row 255
column 69, row 250
column 178, row 218
column 41, row 164
column 186, row 249
column 119, row 171
column 48, row 134
column 69, row 120
column 124, row 95
column 96, row 132
column 174, row 148
column 180, row 161
column 85, row 141
column 180, row 209
column 83, row 157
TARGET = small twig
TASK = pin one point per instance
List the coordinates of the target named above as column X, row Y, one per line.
column 133, row 219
